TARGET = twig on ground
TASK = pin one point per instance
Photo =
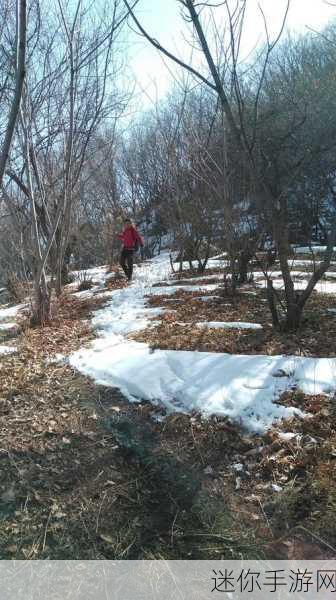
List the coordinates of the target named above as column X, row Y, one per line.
column 46, row 531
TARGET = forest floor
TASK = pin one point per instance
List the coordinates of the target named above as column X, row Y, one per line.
column 85, row 474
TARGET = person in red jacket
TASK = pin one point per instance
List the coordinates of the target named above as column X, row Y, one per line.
column 131, row 239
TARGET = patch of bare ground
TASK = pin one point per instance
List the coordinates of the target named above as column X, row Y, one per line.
column 316, row 336
column 293, row 476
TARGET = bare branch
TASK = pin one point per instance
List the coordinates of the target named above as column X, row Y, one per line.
column 20, row 75
column 158, row 46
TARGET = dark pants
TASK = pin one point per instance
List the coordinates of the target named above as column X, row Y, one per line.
column 126, row 262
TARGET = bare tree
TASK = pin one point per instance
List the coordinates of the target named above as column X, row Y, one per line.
column 243, row 121
column 20, row 60
column 64, row 103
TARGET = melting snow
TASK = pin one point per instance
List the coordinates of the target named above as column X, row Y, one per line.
column 310, row 249
column 241, row 387
column 303, row 263
column 228, row 325
column 7, row 349
column 191, row 280
column 323, row 287
column 8, row 313
column 172, row 289
column 7, row 326
column 213, row 263
column 97, row 274
column 209, row 298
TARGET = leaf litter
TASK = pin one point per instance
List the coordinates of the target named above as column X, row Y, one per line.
column 67, row 482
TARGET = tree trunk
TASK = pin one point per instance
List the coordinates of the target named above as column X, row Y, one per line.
column 20, row 75
column 230, row 283
column 59, row 269
column 243, row 263
column 41, row 314
column 234, row 278
column 293, row 317
column 172, row 263
column 272, row 304
column 203, row 263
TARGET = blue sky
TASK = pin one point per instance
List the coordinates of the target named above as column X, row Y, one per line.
column 162, row 19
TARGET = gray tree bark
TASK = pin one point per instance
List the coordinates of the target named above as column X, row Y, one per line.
column 21, row 35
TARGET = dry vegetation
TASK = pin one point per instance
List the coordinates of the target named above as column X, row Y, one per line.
column 86, row 475
column 315, row 338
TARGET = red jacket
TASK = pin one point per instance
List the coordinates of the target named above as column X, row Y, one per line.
column 129, row 236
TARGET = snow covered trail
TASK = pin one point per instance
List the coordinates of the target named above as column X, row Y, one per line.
column 244, row 388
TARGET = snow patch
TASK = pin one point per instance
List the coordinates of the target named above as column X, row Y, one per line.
column 12, row 311
column 7, row 349
column 322, row 287
column 209, row 298
column 228, row 325
column 190, row 280
column 311, row 249
column 287, row 435
column 8, row 326
column 240, row 387
column 172, row 289
column 213, row 263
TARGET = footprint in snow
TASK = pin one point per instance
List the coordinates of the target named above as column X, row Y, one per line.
column 256, row 384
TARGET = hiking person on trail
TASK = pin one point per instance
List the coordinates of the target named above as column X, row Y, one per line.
column 131, row 239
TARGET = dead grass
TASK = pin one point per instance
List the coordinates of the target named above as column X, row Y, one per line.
column 86, row 475
column 304, row 468
column 315, row 338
